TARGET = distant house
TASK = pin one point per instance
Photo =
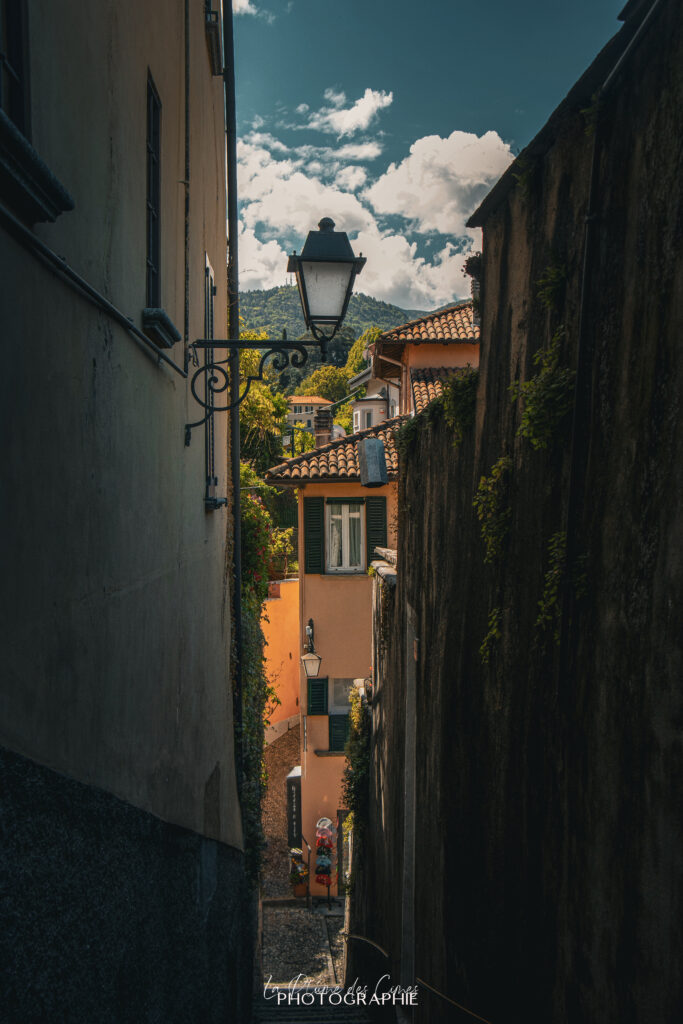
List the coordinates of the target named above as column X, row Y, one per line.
column 341, row 523
column 302, row 409
column 379, row 403
column 419, row 356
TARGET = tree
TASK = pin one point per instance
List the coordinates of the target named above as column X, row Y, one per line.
column 356, row 359
column 329, row 382
column 262, row 413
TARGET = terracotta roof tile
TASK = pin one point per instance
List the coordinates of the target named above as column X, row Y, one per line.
column 308, row 400
column 454, row 324
column 338, row 460
column 427, row 384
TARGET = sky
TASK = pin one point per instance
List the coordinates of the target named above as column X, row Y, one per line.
column 395, row 118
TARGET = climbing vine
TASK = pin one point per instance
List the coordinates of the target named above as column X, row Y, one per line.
column 549, row 605
column 259, row 698
column 493, row 635
column 547, row 396
column 459, row 401
column 492, row 507
column 356, row 777
column 551, row 285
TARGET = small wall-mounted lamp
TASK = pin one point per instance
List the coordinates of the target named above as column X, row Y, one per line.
column 310, row 660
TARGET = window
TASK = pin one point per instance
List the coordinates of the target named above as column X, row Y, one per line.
column 13, row 63
column 345, row 537
column 317, row 696
column 26, row 184
column 356, row 421
column 339, row 731
column 392, row 410
column 309, row 408
column 308, row 423
column 153, row 196
column 368, row 419
column 297, row 409
column 339, row 690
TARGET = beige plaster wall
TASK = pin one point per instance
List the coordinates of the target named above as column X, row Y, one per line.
column 115, row 607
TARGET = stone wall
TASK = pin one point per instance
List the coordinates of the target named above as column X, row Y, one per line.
column 549, row 838
column 111, row 915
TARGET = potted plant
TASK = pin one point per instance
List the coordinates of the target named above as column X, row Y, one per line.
column 298, row 877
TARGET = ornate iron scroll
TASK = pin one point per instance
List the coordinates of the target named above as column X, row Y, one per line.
column 213, row 378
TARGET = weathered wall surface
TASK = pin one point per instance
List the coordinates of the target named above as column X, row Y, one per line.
column 122, row 836
column 129, row 919
column 549, row 837
column 115, row 617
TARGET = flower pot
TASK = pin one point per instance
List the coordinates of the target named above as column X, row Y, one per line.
column 299, row 889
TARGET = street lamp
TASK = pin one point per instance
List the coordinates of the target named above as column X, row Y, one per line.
column 310, row 660
column 325, row 272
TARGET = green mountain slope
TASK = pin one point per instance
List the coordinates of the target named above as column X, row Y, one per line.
column 279, row 308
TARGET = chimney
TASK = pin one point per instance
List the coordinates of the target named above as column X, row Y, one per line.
column 322, row 425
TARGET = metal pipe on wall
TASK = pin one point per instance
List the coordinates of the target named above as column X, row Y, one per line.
column 233, row 332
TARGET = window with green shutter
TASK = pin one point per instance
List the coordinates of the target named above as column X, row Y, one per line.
column 339, row 731
column 376, row 525
column 314, row 535
column 317, row 696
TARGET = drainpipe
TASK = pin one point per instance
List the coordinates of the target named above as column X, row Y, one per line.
column 233, row 332
column 186, row 183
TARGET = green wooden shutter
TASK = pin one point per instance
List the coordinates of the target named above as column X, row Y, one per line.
column 339, row 731
column 317, row 696
column 314, row 535
column 376, row 525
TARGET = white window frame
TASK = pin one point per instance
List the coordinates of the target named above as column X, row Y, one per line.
column 332, row 707
column 356, row 421
column 368, row 419
column 344, row 507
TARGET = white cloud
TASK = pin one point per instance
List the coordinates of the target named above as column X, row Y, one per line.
column 358, row 151
column 337, row 99
column 352, row 177
column 441, row 182
column 285, row 191
column 339, row 120
column 395, row 273
column 279, row 196
column 261, row 264
column 247, row 7
column 303, row 108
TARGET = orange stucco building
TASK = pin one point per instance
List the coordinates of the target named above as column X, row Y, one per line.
column 343, row 519
column 341, row 522
column 280, row 624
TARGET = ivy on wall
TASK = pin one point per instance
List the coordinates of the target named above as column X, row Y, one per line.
column 546, row 397
column 259, row 698
column 492, row 506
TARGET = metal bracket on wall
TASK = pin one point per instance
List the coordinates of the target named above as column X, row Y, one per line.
column 214, row 376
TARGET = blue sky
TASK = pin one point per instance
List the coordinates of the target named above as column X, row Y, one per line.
column 394, row 117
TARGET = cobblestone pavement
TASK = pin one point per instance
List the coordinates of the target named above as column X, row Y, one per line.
column 296, row 948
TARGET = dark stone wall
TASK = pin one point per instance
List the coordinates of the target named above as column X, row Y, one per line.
column 550, row 838
column 109, row 914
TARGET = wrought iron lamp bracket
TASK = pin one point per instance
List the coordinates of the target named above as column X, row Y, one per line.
column 213, row 376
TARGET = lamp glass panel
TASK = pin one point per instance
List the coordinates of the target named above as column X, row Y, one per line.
column 311, row 663
column 326, row 286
